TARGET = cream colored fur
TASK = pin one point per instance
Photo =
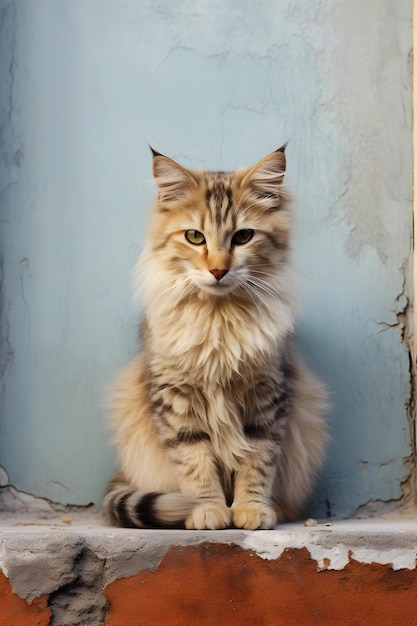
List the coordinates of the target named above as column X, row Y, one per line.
column 219, row 344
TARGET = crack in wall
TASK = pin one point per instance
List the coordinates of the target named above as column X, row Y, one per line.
column 18, row 507
column 409, row 484
column 408, row 500
column 378, row 508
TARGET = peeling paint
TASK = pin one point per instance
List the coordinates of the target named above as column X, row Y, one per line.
column 77, row 569
column 404, row 322
column 331, row 554
column 116, row 576
column 29, row 548
column 19, row 508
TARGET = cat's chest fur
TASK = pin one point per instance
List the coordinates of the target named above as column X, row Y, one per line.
column 205, row 363
column 216, row 343
column 210, row 411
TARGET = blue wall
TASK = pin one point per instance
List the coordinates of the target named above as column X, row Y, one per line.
column 84, row 85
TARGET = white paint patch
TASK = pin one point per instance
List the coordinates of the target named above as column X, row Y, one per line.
column 332, row 546
column 3, row 566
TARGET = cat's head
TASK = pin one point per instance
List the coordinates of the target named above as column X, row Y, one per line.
column 221, row 233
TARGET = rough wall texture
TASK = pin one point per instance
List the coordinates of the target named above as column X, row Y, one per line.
column 329, row 575
column 83, row 87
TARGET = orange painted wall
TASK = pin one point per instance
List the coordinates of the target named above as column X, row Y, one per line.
column 17, row 612
column 214, row 584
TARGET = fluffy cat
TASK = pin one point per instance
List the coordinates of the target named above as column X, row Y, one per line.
column 218, row 421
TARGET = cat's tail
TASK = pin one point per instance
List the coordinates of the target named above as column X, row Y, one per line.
column 127, row 507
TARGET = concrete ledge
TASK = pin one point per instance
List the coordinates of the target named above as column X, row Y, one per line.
column 76, row 571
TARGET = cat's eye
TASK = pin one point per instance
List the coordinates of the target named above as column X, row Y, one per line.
column 195, row 237
column 242, row 236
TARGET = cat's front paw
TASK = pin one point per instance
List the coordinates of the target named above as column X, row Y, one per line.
column 254, row 515
column 209, row 516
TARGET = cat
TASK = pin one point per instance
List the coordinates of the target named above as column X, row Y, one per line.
column 218, row 421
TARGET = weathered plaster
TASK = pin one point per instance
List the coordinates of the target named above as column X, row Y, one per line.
column 81, row 571
column 39, row 559
column 219, row 583
column 82, row 92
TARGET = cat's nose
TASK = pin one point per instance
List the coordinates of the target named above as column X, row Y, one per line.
column 218, row 274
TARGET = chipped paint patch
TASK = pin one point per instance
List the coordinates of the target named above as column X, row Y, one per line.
column 333, row 545
column 71, row 565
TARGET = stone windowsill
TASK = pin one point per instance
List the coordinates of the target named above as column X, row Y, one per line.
column 68, row 563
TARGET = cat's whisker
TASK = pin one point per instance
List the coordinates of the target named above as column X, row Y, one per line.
column 274, row 289
column 260, row 297
column 262, row 273
column 248, row 289
column 258, row 269
column 257, row 264
column 265, row 287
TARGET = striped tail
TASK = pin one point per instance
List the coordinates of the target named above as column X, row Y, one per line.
column 130, row 508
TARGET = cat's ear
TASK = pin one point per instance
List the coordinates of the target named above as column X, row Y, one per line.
column 266, row 178
column 173, row 180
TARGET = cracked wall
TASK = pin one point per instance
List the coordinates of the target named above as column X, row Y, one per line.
column 299, row 575
column 83, row 91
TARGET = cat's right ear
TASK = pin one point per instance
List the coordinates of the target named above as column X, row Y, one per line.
column 173, row 181
column 266, row 177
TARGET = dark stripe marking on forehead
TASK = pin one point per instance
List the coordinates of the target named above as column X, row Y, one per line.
column 218, row 188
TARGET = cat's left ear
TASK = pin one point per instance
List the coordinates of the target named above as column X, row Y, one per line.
column 266, row 177
column 173, row 180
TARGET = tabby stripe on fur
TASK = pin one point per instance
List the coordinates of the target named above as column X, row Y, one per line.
column 219, row 198
column 132, row 509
